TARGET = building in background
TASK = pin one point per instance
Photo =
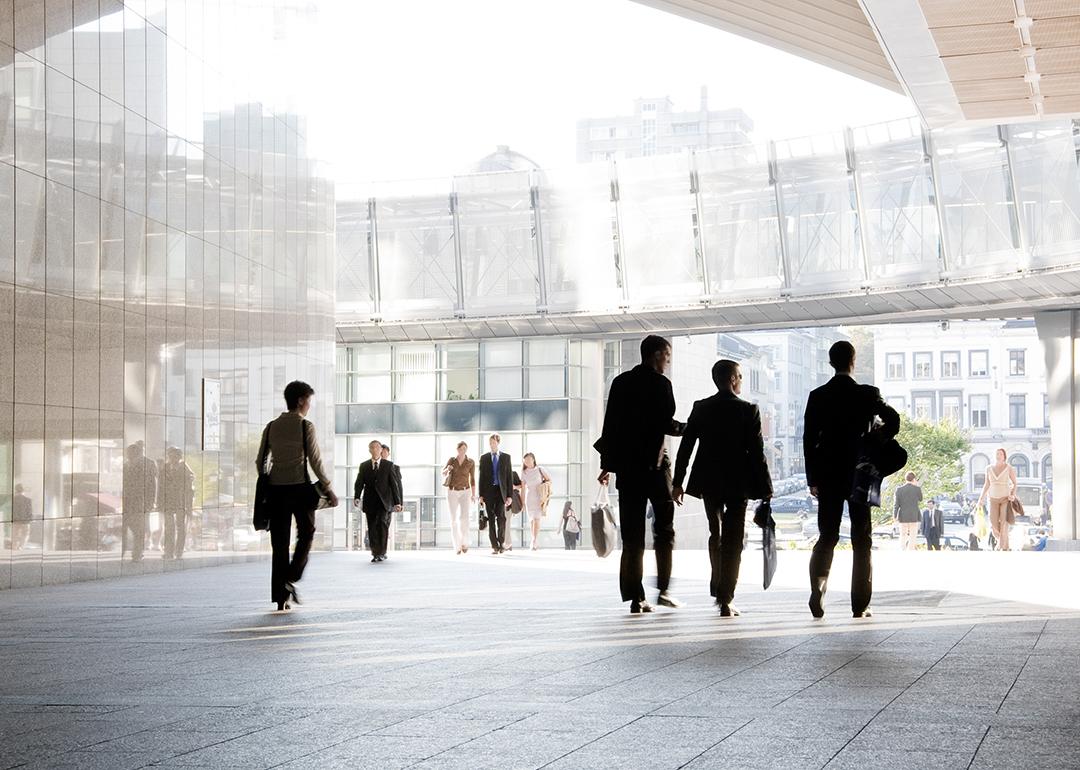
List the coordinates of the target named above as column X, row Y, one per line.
column 986, row 376
column 655, row 128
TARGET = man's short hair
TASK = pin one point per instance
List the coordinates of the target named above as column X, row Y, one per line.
column 910, row 476
column 295, row 391
column 932, row 502
column 842, row 355
column 652, row 345
column 495, row 436
column 722, row 372
column 385, row 446
column 376, row 442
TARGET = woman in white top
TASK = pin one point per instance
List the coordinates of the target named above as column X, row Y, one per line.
column 532, row 476
column 1000, row 488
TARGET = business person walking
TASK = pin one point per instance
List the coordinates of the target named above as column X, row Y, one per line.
column 640, row 413
column 837, row 415
column 459, row 478
column 933, row 525
column 729, row 469
column 906, row 511
column 288, row 446
column 496, row 490
column 378, row 494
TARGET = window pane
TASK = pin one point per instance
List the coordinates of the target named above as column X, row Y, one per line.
column 414, row 418
column 415, row 378
column 461, row 356
column 502, row 353
column 460, row 385
column 368, row 358
column 417, row 482
column 501, row 416
column 547, row 352
column 546, row 415
column 370, row 418
column 412, row 450
column 368, row 388
column 547, row 382
column 341, row 419
column 549, row 448
column 459, row 417
column 502, row 383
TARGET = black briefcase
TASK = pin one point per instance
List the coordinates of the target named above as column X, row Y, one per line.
column 260, row 509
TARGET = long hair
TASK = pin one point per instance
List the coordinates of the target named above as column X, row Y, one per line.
column 528, row 454
column 568, row 506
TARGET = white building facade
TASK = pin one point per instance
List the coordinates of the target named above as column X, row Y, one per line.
column 986, row 376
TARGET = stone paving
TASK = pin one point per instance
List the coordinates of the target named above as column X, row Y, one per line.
column 525, row 661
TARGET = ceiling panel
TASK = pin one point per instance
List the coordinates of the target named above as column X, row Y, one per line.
column 1049, row 33
column 1060, row 85
column 1054, row 61
column 948, row 13
column 992, row 90
column 984, row 66
column 979, row 38
column 1000, row 110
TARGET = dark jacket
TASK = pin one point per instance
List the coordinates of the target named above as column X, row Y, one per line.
column 640, row 412
column 730, row 460
column 177, row 489
column 906, row 503
column 933, row 523
column 377, row 491
column 140, row 487
column 505, row 481
column 837, row 415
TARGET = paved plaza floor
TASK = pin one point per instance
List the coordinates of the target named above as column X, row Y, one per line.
column 529, row 660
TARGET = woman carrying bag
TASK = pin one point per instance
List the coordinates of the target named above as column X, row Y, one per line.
column 535, row 482
column 288, row 445
column 570, row 526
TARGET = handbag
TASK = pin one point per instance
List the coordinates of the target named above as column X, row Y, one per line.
column 878, row 457
column 603, row 524
column 315, row 497
column 483, row 518
column 545, row 494
column 1016, row 508
column 261, row 512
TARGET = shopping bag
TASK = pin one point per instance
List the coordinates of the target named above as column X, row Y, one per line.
column 982, row 528
column 603, row 524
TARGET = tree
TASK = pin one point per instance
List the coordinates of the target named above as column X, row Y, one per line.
column 934, row 452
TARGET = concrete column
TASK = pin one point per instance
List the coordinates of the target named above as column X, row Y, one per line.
column 1059, row 332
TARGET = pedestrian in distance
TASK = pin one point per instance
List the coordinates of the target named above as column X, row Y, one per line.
column 288, row 446
column 377, row 493
column 640, row 413
column 177, row 499
column 496, row 490
column 1000, row 489
column 139, row 498
column 729, row 469
column 391, row 528
column 533, row 478
column 838, row 414
column 906, row 511
column 459, row 478
column 932, row 525
column 570, row 526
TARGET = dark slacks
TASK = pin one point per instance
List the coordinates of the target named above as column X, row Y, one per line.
column 570, row 540
column 933, row 540
column 134, row 533
column 378, row 524
column 288, row 501
column 175, row 523
column 830, row 512
column 636, row 491
column 495, row 506
column 727, row 523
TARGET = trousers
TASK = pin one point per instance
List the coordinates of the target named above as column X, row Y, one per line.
column 458, row 500
column 288, row 504
column 175, row 523
column 636, row 492
column 909, row 530
column 727, row 523
column 378, row 524
column 830, row 513
column 999, row 521
column 495, row 505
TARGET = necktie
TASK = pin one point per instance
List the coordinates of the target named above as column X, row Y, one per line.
column 495, row 468
column 375, row 465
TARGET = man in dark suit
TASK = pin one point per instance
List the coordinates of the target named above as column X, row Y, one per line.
column 377, row 494
column 729, row 469
column 837, row 415
column 640, row 413
column 496, row 490
column 385, row 454
column 933, row 525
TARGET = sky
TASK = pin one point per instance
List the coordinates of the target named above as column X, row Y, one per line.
column 418, row 89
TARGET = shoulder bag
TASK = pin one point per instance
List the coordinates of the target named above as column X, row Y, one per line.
column 260, row 509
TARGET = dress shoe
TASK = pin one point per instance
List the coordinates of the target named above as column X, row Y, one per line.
column 495, row 551
column 864, row 614
column 815, row 605
column 727, row 611
column 384, row 557
column 637, row 607
column 283, row 605
column 374, row 559
column 291, row 589
column 464, row 549
column 667, row 600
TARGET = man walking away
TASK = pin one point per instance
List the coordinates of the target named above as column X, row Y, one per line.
column 906, row 511
column 496, row 490
column 178, row 496
column 933, row 526
column 377, row 495
column 729, row 468
column 640, row 412
column 837, row 415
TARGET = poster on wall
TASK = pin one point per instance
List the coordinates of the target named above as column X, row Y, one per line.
column 211, row 416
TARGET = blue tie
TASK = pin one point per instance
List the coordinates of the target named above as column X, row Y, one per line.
column 495, row 469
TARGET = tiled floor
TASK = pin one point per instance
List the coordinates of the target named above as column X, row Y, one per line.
column 523, row 661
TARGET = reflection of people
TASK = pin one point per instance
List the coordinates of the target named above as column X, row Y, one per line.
column 1000, row 489
column 570, row 526
column 837, row 415
column 933, row 525
column 640, row 412
column 177, row 498
column 140, row 492
column 377, row 494
column 459, row 477
column 729, row 468
column 289, row 445
column 22, row 513
column 906, row 511
column 532, row 476
column 496, row 488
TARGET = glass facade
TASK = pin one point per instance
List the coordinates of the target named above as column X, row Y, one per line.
column 422, row 399
column 160, row 226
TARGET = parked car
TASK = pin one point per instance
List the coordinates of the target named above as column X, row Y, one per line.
column 886, row 530
column 948, row 543
column 953, row 513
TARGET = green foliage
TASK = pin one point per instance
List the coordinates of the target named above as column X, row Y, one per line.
column 934, row 452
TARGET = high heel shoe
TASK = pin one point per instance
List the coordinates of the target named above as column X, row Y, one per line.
column 283, row 605
column 291, row 588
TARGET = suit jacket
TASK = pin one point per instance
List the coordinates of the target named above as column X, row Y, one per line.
column 640, row 412
column 377, row 491
column 730, row 460
column 837, row 415
column 906, row 503
column 933, row 524
column 505, row 481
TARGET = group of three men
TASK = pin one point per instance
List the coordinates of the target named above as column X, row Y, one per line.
column 730, row 469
